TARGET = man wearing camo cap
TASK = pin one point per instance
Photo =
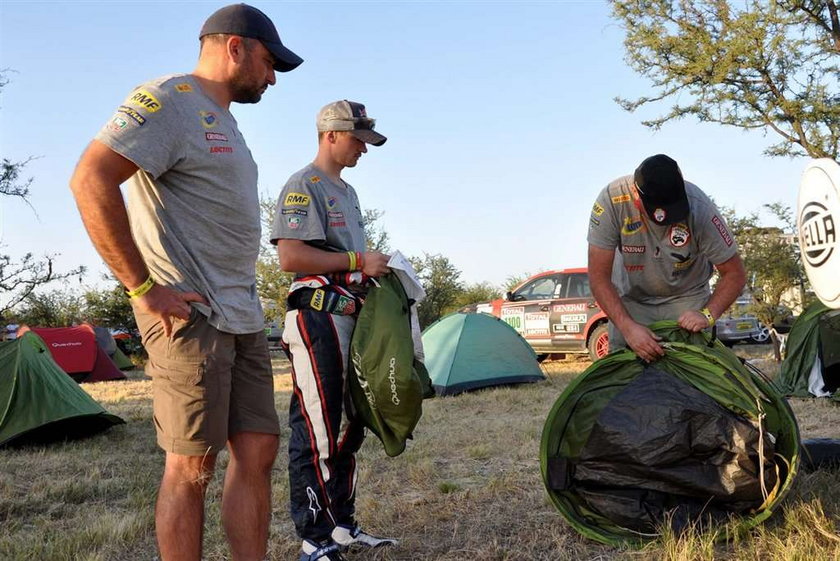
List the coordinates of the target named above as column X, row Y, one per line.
column 319, row 232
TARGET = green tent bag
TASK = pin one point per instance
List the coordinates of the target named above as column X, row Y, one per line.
column 387, row 383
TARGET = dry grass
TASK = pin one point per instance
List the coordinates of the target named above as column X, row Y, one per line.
column 467, row 487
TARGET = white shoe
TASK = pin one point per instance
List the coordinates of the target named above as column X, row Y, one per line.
column 326, row 551
column 353, row 535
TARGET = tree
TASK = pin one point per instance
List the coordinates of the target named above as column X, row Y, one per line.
column 440, row 280
column 109, row 307
column 476, row 293
column 771, row 258
column 19, row 278
column 55, row 308
column 767, row 65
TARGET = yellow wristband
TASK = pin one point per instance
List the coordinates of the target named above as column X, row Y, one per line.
column 352, row 256
column 708, row 315
column 142, row 289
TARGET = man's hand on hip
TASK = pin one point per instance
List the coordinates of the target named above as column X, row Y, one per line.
column 167, row 303
column 643, row 342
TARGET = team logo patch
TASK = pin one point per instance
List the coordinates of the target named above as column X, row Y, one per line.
column 597, row 209
column 721, row 228
column 317, row 300
column 634, row 268
column 293, row 222
column 221, row 150
column 338, row 224
column 679, row 235
column 208, row 119
column 331, row 202
column 117, row 124
column 633, row 249
column 659, row 215
column 183, row 88
column 138, row 118
column 296, row 211
column 215, row 137
column 296, row 199
column 617, row 200
column 314, row 179
column 632, row 225
column 593, row 222
column 144, row 99
column 335, row 214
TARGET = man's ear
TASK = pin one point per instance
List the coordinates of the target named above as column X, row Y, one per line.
column 235, row 48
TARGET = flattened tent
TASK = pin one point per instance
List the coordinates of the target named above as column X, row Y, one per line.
column 466, row 352
column 692, row 437
column 108, row 344
column 812, row 363
column 38, row 401
column 76, row 352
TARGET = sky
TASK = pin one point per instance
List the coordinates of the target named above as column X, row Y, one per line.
column 501, row 121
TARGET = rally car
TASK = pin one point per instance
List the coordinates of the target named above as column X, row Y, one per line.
column 556, row 313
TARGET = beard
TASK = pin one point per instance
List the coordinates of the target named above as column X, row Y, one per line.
column 244, row 88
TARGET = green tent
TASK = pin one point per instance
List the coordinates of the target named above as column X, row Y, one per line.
column 812, row 362
column 39, row 402
column 465, row 352
column 692, row 438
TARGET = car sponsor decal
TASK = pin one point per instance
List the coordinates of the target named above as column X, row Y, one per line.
column 573, row 318
column 721, row 228
column 536, row 323
column 296, row 199
column 617, row 200
column 632, row 226
column 597, row 209
column 566, row 327
column 138, row 118
column 144, row 99
column 514, row 317
column 565, row 308
column 633, row 249
column 215, row 137
column 679, row 235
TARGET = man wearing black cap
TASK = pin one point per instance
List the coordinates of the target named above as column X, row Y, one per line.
column 319, row 232
column 187, row 260
column 654, row 242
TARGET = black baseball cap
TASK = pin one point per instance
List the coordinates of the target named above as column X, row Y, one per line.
column 662, row 189
column 247, row 21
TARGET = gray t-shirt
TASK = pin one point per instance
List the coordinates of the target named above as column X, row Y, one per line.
column 312, row 208
column 193, row 204
column 656, row 264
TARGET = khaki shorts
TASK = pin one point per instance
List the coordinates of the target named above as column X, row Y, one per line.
column 206, row 384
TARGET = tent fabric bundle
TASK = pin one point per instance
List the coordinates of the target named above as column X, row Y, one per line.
column 812, row 363
column 695, row 437
column 39, row 402
column 77, row 353
column 388, row 383
column 466, row 351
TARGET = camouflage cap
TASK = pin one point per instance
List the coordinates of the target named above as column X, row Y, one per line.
column 351, row 117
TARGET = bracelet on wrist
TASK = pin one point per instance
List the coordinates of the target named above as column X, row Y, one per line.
column 351, row 255
column 708, row 315
column 142, row 289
